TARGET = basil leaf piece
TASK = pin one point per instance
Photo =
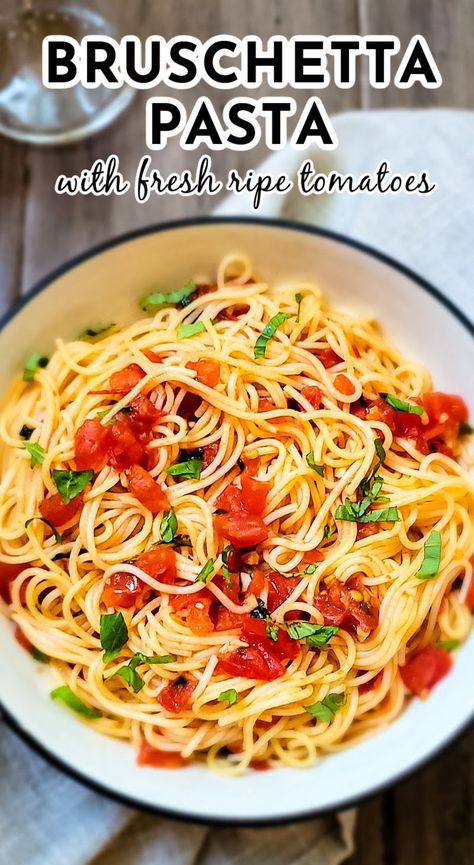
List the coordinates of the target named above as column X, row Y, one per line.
column 70, row 483
column 315, row 635
column 402, row 405
column 431, row 557
column 229, row 696
column 92, row 332
column 326, row 709
column 34, row 362
column 38, row 655
column 187, row 469
column 328, row 531
column 465, row 428
column 355, row 512
column 57, row 536
column 380, row 451
column 170, row 298
column 271, row 629
column 298, row 298
column 268, row 333
column 113, row 635
column 131, row 677
column 74, row 702
column 312, row 465
column 310, row 569
column 36, row 452
column 449, row 645
column 185, row 331
column 178, row 541
column 205, row 572
column 168, row 526
column 26, row 432
column 225, row 568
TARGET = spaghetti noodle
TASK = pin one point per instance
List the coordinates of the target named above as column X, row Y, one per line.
column 240, row 528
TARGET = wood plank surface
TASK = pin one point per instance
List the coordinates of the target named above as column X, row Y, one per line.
column 429, row 819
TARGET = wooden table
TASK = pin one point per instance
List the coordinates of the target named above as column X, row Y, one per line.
column 429, row 819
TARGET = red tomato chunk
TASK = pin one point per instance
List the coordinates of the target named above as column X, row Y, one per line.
column 176, row 695
column 425, row 668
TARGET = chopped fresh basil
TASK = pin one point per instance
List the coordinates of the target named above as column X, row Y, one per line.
column 431, row 557
column 185, row 331
column 311, row 463
column 205, row 572
column 187, row 469
column 168, row 526
column 268, row 333
column 26, row 432
column 402, row 405
column 57, row 536
column 170, row 298
column 298, row 298
column 38, row 655
column 74, row 702
column 465, row 428
column 449, row 645
column 328, row 531
column 326, row 709
column 129, row 674
column 225, row 567
column 178, row 541
column 70, row 483
column 34, row 362
column 310, row 569
column 229, row 696
column 352, row 512
column 36, row 452
column 91, row 332
column 271, row 629
column 315, row 635
column 113, row 635
column 380, row 451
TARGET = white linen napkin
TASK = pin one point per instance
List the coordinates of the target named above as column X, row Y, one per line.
column 48, row 819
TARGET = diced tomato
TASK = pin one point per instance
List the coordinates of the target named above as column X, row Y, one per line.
column 254, row 494
column 344, row 385
column 233, row 313
column 425, row 668
column 372, row 684
column 151, row 355
column 445, row 412
column 266, row 404
column 176, row 695
column 365, row 530
column 312, row 394
column 146, row 490
column 252, row 663
column 144, row 413
column 57, row 512
column 126, row 448
column 159, row 563
column 198, row 619
column 183, row 602
column 91, row 445
column 209, row 454
column 126, row 379
column 8, row 573
column 150, row 756
column 231, row 586
column 21, row 638
column 257, row 583
column 260, row 765
column 189, row 405
column 124, row 590
column 279, row 589
column 254, row 632
column 208, row 371
column 230, row 499
column 328, row 357
column 227, row 620
column 252, row 464
column 339, row 608
column 241, row 529
column 312, row 556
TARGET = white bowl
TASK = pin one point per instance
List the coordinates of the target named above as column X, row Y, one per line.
column 106, row 283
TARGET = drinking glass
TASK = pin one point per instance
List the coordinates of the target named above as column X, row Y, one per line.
column 33, row 113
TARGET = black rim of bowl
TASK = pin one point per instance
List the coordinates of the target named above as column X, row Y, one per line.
column 186, row 816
